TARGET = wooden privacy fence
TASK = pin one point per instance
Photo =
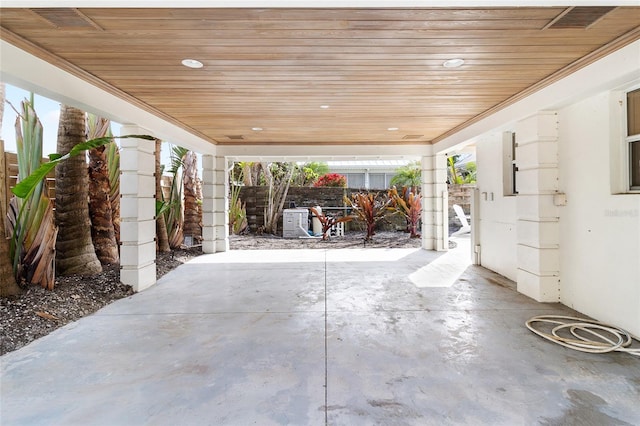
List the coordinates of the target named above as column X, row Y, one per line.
column 9, row 177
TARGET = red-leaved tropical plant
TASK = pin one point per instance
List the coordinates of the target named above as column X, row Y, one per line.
column 370, row 208
column 409, row 205
column 329, row 221
column 331, row 179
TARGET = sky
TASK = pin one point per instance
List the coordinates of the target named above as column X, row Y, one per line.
column 49, row 113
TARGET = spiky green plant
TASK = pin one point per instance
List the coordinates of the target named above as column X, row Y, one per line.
column 33, row 233
column 237, row 209
column 172, row 207
column 237, row 212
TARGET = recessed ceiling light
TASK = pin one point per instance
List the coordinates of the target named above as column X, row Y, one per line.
column 256, row 129
column 192, row 63
column 324, row 106
column 453, row 63
column 392, row 129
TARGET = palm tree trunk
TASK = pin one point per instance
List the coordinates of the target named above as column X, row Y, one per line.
column 113, row 160
column 102, row 232
column 192, row 218
column 161, row 224
column 75, row 253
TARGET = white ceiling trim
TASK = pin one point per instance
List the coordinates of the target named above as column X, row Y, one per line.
column 323, row 152
column 312, row 4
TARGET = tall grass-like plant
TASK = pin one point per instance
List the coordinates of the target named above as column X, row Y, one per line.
column 370, row 208
column 237, row 209
column 31, row 224
column 409, row 205
column 172, row 207
column 237, row 212
column 162, row 236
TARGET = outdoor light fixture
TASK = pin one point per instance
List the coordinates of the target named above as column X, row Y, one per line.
column 324, row 106
column 392, row 129
column 192, row 63
column 453, row 63
column 256, row 129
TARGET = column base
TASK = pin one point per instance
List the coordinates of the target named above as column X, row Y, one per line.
column 540, row 288
column 139, row 278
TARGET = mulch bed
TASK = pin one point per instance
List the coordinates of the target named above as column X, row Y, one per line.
column 38, row 312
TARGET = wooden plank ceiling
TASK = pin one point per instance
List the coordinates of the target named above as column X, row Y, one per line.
column 322, row 76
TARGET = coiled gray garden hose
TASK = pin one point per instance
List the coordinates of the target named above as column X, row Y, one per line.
column 582, row 333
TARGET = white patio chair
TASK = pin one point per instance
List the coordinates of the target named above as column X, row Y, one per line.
column 466, row 228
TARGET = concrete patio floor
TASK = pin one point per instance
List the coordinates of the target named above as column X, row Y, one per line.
column 314, row 337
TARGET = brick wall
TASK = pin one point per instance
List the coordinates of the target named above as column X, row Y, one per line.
column 461, row 195
column 255, row 198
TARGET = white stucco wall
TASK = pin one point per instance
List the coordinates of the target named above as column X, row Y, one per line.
column 599, row 232
column 497, row 215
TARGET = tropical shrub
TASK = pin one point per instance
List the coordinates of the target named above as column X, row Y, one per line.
column 328, row 221
column 307, row 174
column 30, row 216
column 458, row 172
column 237, row 212
column 368, row 207
column 409, row 176
column 172, row 208
column 409, row 205
column 332, row 180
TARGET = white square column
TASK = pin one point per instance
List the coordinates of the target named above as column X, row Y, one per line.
column 215, row 213
column 137, row 210
column 435, row 212
column 538, row 249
